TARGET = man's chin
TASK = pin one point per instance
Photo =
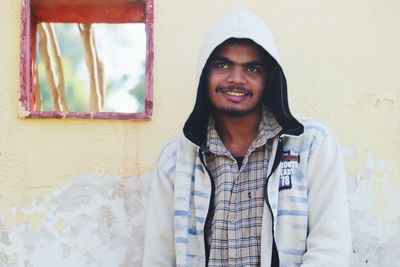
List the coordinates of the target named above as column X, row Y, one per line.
column 235, row 112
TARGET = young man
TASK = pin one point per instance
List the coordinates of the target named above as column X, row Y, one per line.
column 248, row 184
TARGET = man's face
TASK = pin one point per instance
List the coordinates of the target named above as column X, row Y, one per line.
column 236, row 79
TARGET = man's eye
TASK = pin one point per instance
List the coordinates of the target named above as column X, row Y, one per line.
column 221, row 65
column 253, row 69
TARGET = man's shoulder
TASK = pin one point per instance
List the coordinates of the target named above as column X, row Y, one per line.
column 317, row 133
column 180, row 147
column 316, row 128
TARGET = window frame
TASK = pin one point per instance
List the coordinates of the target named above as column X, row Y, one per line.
column 82, row 11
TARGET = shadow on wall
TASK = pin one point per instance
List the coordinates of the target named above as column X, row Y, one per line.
column 93, row 221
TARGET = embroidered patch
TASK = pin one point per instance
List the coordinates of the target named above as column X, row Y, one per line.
column 289, row 163
column 291, row 158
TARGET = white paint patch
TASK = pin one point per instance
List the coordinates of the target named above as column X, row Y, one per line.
column 94, row 221
column 348, row 151
column 375, row 214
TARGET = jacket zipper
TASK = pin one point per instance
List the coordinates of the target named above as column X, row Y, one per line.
column 277, row 159
column 210, row 205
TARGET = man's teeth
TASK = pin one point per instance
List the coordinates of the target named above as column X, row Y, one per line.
column 235, row 93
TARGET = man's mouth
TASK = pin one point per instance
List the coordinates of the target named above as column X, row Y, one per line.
column 237, row 91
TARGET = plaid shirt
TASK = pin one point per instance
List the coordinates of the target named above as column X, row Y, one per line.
column 234, row 235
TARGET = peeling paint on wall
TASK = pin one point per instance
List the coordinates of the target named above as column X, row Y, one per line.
column 376, row 102
column 375, row 213
column 93, row 221
column 98, row 221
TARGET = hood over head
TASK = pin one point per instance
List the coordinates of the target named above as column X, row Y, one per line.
column 241, row 24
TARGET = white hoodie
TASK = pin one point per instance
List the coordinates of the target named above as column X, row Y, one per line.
column 306, row 214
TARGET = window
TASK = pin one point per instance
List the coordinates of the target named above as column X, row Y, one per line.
column 84, row 15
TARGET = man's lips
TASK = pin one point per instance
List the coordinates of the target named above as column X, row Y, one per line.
column 236, row 91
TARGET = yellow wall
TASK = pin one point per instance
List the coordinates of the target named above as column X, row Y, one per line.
column 341, row 58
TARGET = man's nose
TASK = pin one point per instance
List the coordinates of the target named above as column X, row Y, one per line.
column 236, row 75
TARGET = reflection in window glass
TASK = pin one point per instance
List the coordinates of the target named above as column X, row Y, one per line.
column 121, row 49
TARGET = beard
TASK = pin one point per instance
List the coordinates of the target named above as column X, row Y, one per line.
column 235, row 112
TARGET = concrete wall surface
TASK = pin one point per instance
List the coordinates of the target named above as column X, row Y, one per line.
column 72, row 192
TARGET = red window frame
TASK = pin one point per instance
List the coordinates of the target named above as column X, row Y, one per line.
column 82, row 11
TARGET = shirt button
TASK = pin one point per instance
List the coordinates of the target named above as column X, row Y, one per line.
column 233, row 220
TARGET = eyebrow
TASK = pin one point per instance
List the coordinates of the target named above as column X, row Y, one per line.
column 227, row 60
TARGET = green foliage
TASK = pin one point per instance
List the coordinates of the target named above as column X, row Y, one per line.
column 138, row 92
column 44, row 89
column 76, row 89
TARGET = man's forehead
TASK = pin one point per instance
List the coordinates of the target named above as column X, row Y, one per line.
column 239, row 50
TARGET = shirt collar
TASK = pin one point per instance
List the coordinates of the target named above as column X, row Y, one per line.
column 268, row 128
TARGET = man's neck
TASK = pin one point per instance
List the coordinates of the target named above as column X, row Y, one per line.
column 237, row 132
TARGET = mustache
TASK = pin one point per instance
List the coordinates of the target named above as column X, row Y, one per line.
column 234, row 88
